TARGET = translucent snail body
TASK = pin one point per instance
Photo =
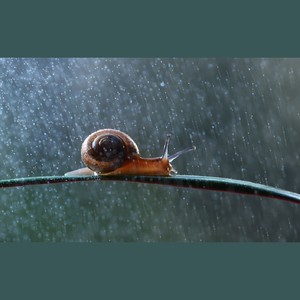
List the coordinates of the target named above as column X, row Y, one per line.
column 112, row 152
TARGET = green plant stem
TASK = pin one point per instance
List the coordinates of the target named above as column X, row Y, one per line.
column 187, row 181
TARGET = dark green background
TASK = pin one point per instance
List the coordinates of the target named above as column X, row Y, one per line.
column 132, row 29
column 150, row 29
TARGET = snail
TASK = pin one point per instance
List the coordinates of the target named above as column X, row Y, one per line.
column 113, row 152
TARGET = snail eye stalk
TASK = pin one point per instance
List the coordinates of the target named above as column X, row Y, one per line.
column 177, row 154
column 166, row 147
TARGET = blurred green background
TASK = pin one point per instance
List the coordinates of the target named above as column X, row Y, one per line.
column 242, row 114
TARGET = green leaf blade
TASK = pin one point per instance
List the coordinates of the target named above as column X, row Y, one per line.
column 184, row 181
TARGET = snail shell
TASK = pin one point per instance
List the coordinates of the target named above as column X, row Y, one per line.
column 113, row 152
column 107, row 150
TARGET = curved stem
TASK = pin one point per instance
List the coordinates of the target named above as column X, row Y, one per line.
column 187, row 181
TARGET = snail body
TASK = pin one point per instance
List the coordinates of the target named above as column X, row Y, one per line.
column 113, row 152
